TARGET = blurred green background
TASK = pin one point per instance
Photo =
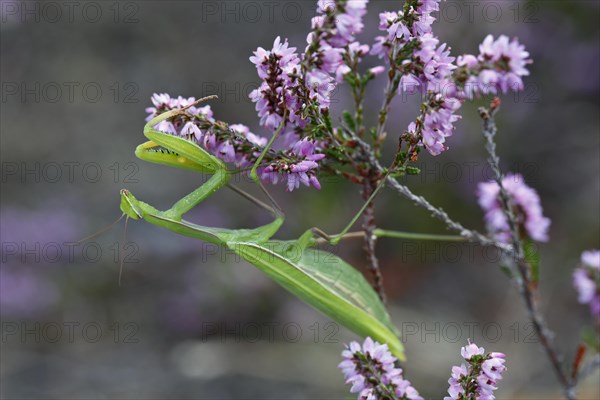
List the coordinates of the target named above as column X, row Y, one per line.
column 190, row 321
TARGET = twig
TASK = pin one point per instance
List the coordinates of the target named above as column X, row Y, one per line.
column 370, row 241
column 489, row 132
column 389, row 93
column 525, row 286
column 467, row 234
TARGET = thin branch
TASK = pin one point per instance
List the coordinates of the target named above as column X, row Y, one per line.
column 370, row 240
column 390, row 92
column 467, row 234
column 489, row 132
column 525, row 285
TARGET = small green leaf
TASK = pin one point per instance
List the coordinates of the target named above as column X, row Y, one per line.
column 349, row 120
column 533, row 258
column 506, row 269
column 413, row 170
column 327, row 283
column 591, row 339
column 373, row 133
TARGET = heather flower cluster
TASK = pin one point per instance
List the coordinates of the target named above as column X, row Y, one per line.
column 586, row 280
column 278, row 69
column 236, row 144
column 296, row 88
column 302, row 85
column 371, row 371
column 477, row 378
column 332, row 47
column 499, row 67
column 526, row 208
column 424, row 65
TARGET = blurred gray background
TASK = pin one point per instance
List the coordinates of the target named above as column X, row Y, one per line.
column 190, row 321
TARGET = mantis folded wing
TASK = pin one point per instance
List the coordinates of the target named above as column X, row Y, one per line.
column 319, row 278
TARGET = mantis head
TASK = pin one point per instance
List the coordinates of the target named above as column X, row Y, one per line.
column 130, row 205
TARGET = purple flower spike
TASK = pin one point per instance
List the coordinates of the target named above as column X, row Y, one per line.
column 586, row 280
column 478, row 377
column 370, row 370
column 527, row 208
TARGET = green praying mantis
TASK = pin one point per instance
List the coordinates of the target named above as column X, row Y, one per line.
column 319, row 278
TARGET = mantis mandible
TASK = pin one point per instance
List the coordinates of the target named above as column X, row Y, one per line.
column 319, row 278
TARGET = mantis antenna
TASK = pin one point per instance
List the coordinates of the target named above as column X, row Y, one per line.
column 106, row 228
column 122, row 247
column 93, row 235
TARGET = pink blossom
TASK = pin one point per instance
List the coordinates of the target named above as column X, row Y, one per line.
column 526, row 207
column 370, row 366
column 478, row 377
column 586, row 280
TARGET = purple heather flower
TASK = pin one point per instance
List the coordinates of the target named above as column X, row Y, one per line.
column 378, row 70
column 324, row 6
column 321, row 85
column 467, row 60
column 585, row 285
column 409, row 83
column 227, row 152
column 428, row 67
column 281, row 52
column 301, row 171
column 191, row 129
column 166, row 127
column 438, row 123
column 381, row 47
column 478, row 377
column 276, row 68
column 526, row 207
column 245, row 131
column 341, row 72
column 499, row 67
column 591, row 258
column 471, row 350
column 332, row 41
column 348, row 23
column 370, row 370
column 586, row 280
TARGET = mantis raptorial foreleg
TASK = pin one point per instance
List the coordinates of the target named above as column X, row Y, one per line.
column 175, row 151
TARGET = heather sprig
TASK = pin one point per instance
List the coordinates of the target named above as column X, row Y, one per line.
column 586, row 280
column 526, row 204
column 499, row 67
column 477, row 378
column 371, row 370
column 419, row 63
